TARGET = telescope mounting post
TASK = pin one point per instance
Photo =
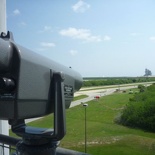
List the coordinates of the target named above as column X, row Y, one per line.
column 42, row 141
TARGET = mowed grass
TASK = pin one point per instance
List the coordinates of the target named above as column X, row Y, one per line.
column 79, row 97
column 104, row 136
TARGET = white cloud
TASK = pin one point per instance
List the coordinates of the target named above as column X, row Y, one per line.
column 46, row 29
column 80, row 6
column 107, row 38
column 82, row 34
column 16, row 12
column 152, row 38
column 133, row 34
column 23, row 24
column 47, row 44
column 73, row 52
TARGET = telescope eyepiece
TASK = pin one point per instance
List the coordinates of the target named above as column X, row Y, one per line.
column 7, row 85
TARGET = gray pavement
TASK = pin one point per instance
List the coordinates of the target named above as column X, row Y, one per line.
column 91, row 95
column 103, row 91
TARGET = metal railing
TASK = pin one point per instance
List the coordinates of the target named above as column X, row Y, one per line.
column 8, row 147
column 8, row 144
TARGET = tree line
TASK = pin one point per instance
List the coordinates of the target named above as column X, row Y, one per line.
column 115, row 81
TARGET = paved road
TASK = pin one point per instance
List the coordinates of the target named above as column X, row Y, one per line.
column 98, row 92
column 103, row 91
column 91, row 94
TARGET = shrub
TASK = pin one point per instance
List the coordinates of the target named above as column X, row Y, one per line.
column 141, row 88
column 140, row 111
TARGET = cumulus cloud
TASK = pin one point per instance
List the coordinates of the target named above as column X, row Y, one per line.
column 47, row 44
column 16, row 12
column 152, row 38
column 107, row 38
column 73, row 52
column 82, row 34
column 80, row 7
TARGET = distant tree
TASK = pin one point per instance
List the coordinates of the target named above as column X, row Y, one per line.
column 141, row 88
column 133, row 80
column 147, row 72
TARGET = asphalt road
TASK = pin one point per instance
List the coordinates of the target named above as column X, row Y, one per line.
column 91, row 95
column 97, row 92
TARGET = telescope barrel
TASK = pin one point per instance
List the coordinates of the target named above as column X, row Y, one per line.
column 26, row 82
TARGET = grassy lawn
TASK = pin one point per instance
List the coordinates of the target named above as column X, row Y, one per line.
column 79, row 97
column 103, row 135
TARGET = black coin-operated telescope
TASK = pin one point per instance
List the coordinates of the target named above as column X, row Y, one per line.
column 33, row 86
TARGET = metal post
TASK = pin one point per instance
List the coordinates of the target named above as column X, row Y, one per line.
column 4, row 127
column 3, row 16
column 85, row 105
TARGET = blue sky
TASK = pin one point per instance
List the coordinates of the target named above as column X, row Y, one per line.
column 94, row 37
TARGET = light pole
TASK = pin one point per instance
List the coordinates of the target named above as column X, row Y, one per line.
column 85, row 106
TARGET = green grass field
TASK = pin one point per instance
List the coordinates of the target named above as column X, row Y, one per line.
column 104, row 136
column 79, row 97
